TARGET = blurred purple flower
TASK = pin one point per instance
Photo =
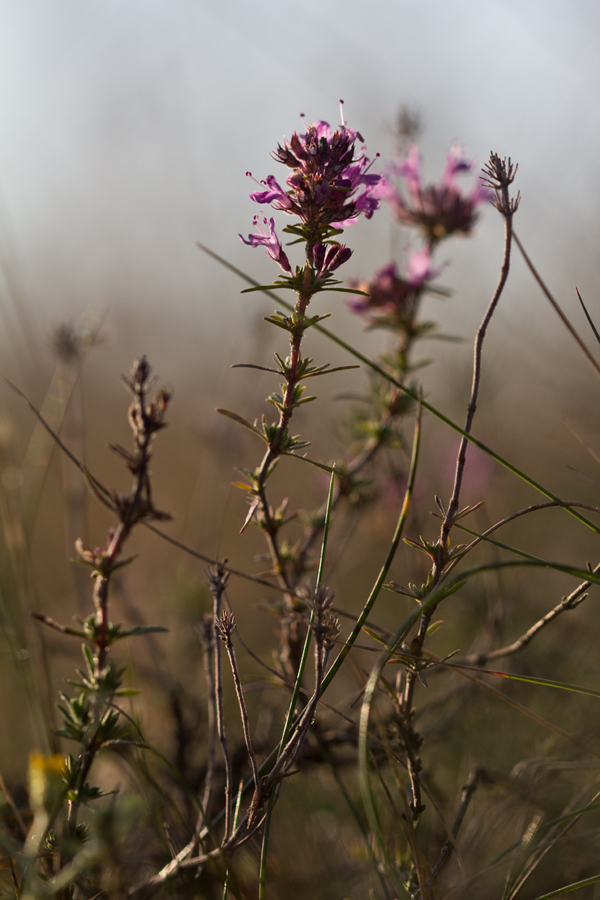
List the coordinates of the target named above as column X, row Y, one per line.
column 442, row 209
column 419, row 268
column 269, row 241
column 394, row 296
column 330, row 186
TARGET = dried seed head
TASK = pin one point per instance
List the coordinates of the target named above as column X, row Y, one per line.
column 217, row 577
column 499, row 174
column 326, row 625
column 140, row 371
column 225, row 625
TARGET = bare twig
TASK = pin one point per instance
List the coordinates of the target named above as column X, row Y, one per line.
column 468, row 790
column 225, row 626
column 218, row 582
column 570, row 602
column 208, row 646
column 501, row 174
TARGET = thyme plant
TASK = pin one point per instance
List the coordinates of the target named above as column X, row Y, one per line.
column 219, row 834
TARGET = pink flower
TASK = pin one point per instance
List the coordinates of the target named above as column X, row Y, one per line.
column 330, row 184
column 269, row 241
column 392, row 296
column 419, row 268
column 442, row 209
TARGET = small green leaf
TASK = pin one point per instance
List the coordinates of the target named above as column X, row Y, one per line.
column 347, row 291
column 373, row 634
column 142, row 629
column 279, row 322
column 434, row 627
column 267, row 287
column 312, row 462
column 241, row 421
column 324, row 370
column 89, row 656
column 451, row 589
column 252, row 366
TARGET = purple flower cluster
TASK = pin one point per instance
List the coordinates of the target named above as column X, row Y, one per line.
column 329, row 187
column 392, row 296
column 439, row 209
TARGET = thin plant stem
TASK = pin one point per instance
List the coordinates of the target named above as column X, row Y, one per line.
column 236, row 815
column 208, row 645
column 304, row 657
column 467, row 794
column 567, row 603
column 353, row 810
column 556, row 307
column 218, row 582
column 226, row 626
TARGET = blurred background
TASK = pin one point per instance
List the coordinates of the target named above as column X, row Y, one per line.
column 128, row 127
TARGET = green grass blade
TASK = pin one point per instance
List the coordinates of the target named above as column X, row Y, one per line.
column 588, row 317
column 542, row 682
column 568, row 888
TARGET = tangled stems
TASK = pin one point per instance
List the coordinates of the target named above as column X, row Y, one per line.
column 392, row 300
column 500, row 175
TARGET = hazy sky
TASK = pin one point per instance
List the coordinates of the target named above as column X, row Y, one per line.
column 128, row 125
